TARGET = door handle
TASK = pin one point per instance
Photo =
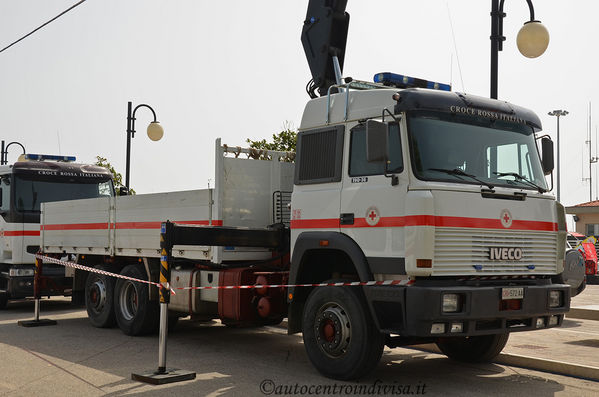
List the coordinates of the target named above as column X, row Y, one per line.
column 346, row 219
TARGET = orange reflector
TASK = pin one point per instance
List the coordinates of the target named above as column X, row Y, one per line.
column 290, row 297
column 324, row 243
column 427, row 263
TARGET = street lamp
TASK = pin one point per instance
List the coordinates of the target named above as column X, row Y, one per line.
column 558, row 113
column 532, row 39
column 4, row 152
column 155, row 133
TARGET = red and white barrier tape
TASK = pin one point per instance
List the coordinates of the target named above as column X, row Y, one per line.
column 92, row 269
column 256, row 286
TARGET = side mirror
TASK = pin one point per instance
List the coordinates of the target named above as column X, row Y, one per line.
column 547, row 160
column 123, row 191
column 377, row 141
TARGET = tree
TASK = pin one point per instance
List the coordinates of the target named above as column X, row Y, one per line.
column 284, row 141
column 116, row 176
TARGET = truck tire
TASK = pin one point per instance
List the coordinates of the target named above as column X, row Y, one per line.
column 135, row 313
column 99, row 298
column 574, row 272
column 340, row 337
column 3, row 301
column 473, row 349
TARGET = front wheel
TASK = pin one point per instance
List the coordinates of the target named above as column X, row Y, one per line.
column 340, row 337
column 135, row 313
column 473, row 349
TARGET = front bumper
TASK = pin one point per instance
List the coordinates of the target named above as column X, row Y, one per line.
column 53, row 282
column 412, row 311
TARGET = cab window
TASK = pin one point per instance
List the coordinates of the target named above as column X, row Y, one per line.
column 359, row 166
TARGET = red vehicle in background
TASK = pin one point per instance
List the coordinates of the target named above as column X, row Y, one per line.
column 587, row 247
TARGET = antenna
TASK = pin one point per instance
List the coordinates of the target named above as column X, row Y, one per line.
column 324, row 37
column 591, row 158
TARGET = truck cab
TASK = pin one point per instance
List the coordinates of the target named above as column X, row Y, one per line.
column 24, row 185
column 438, row 202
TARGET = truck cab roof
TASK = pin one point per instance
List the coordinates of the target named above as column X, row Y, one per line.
column 369, row 103
column 58, row 170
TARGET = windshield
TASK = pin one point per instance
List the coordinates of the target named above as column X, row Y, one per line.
column 446, row 147
column 29, row 194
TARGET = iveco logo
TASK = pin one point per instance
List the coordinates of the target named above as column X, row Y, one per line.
column 505, row 254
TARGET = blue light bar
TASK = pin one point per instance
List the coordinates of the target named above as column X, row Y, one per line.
column 401, row 81
column 53, row 157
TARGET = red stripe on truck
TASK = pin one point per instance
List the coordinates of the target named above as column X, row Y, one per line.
column 426, row 220
column 18, row 233
column 75, row 226
column 121, row 225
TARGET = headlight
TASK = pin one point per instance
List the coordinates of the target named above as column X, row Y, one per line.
column 556, row 298
column 16, row 272
column 451, row 303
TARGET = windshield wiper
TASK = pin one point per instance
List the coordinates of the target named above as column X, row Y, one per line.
column 522, row 178
column 459, row 172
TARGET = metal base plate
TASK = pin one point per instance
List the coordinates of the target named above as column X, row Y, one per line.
column 170, row 376
column 36, row 323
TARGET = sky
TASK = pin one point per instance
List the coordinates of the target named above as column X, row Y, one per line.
column 236, row 70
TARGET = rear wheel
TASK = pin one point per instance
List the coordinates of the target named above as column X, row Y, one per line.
column 99, row 298
column 474, row 349
column 135, row 313
column 339, row 334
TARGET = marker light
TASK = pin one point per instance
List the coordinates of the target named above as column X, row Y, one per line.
column 401, row 81
column 556, row 299
column 44, row 157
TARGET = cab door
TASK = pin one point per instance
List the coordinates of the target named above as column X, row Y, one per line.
column 372, row 201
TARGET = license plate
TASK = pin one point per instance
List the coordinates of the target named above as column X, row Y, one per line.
column 512, row 293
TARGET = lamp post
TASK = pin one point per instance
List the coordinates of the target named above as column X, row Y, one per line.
column 4, row 152
column 155, row 133
column 558, row 113
column 532, row 39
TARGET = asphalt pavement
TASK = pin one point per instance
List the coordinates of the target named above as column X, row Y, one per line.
column 75, row 359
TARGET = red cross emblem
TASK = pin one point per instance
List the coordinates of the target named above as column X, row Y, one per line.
column 372, row 216
column 506, row 218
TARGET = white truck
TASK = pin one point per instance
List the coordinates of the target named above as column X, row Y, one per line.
column 433, row 202
column 24, row 185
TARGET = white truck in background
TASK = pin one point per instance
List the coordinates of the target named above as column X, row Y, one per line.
column 24, row 185
column 434, row 202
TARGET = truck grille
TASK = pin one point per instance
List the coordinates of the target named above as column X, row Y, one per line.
column 466, row 252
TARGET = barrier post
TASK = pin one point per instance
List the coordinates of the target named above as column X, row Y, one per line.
column 37, row 294
column 163, row 374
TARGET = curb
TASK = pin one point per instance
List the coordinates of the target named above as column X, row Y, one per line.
column 539, row 364
column 558, row 367
column 583, row 314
